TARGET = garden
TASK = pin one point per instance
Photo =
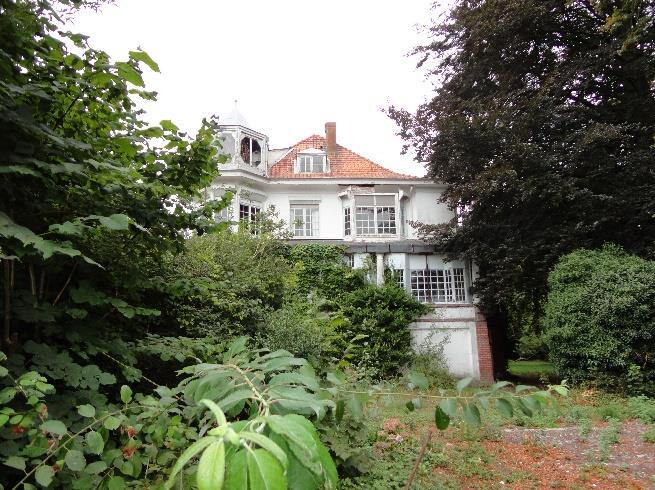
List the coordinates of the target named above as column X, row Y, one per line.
column 146, row 345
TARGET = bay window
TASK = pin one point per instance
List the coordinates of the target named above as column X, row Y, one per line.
column 375, row 214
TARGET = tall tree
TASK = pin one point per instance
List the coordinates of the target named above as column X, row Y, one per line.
column 541, row 126
column 92, row 196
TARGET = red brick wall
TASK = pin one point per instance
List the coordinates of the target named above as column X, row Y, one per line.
column 485, row 358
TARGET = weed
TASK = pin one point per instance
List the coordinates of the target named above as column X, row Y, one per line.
column 642, row 408
column 649, row 435
column 584, row 428
column 608, row 437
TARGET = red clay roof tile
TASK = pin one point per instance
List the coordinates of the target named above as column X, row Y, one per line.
column 347, row 163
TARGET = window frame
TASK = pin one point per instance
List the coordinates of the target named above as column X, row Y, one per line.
column 347, row 221
column 250, row 216
column 446, row 285
column 373, row 220
column 310, row 211
column 300, row 166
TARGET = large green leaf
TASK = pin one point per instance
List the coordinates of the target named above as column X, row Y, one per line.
column 266, row 443
column 145, row 58
column 463, row 383
column 75, row 460
column 300, row 440
column 128, row 73
column 504, row 407
column 211, row 468
column 471, row 414
column 294, row 379
column 55, row 427
column 449, row 406
column 298, row 475
column 95, row 442
column 236, row 475
column 418, row 380
column 186, row 456
column 44, row 475
column 264, row 471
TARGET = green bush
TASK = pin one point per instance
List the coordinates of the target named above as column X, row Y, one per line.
column 230, row 282
column 298, row 328
column 531, row 346
column 321, row 269
column 599, row 319
column 379, row 318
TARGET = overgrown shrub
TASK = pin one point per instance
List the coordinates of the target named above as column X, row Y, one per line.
column 599, row 319
column 379, row 318
column 298, row 328
column 231, row 282
column 321, row 269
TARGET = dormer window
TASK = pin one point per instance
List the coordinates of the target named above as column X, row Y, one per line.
column 311, row 162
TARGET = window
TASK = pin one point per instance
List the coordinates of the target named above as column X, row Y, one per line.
column 375, row 214
column 248, row 213
column 439, row 285
column 304, row 220
column 349, row 259
column 310, row 163
column 222, row 215
column 251, row 151
column 399, row 276
column 346, row 222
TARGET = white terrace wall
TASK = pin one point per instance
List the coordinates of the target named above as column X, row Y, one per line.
column 463, row 331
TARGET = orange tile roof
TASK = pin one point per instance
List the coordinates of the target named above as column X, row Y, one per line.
column 347, row 163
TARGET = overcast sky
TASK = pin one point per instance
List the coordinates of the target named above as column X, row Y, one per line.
column 291, row 64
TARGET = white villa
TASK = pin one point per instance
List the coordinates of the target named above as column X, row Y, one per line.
column 332, row 195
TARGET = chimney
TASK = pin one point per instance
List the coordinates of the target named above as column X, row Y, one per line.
column 331, row 139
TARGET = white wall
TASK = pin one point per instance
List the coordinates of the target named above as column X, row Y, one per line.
column 424, row 206
column 330, row 212
column 421, row 206
column 458, row 325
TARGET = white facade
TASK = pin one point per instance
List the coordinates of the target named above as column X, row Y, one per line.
column 325, row 201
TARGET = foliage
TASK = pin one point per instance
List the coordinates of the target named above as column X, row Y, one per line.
column 531, row 346
column 298, row 328
column 231, row 282
column 321, row 269
column 600, row 319
column 642, row 408
column 378, row 321
column 541, row 127
column 108, row 445
column 93, row 196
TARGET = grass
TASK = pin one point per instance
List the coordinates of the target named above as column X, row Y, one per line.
column 532, row 369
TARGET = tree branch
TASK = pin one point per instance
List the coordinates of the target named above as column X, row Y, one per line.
column 70, row 276
column 417, row 463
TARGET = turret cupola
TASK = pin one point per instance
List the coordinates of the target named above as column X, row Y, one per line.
column 246, row 148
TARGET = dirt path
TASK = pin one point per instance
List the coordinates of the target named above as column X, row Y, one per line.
column 630, row 456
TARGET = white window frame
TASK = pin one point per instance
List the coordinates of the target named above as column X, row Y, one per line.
column 347, row 221
column 377, row 209
column 309, row 220
column 439, row 286
column 250, row 216
column 305, row 163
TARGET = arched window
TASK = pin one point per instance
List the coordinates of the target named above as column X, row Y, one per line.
column 251, row 151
